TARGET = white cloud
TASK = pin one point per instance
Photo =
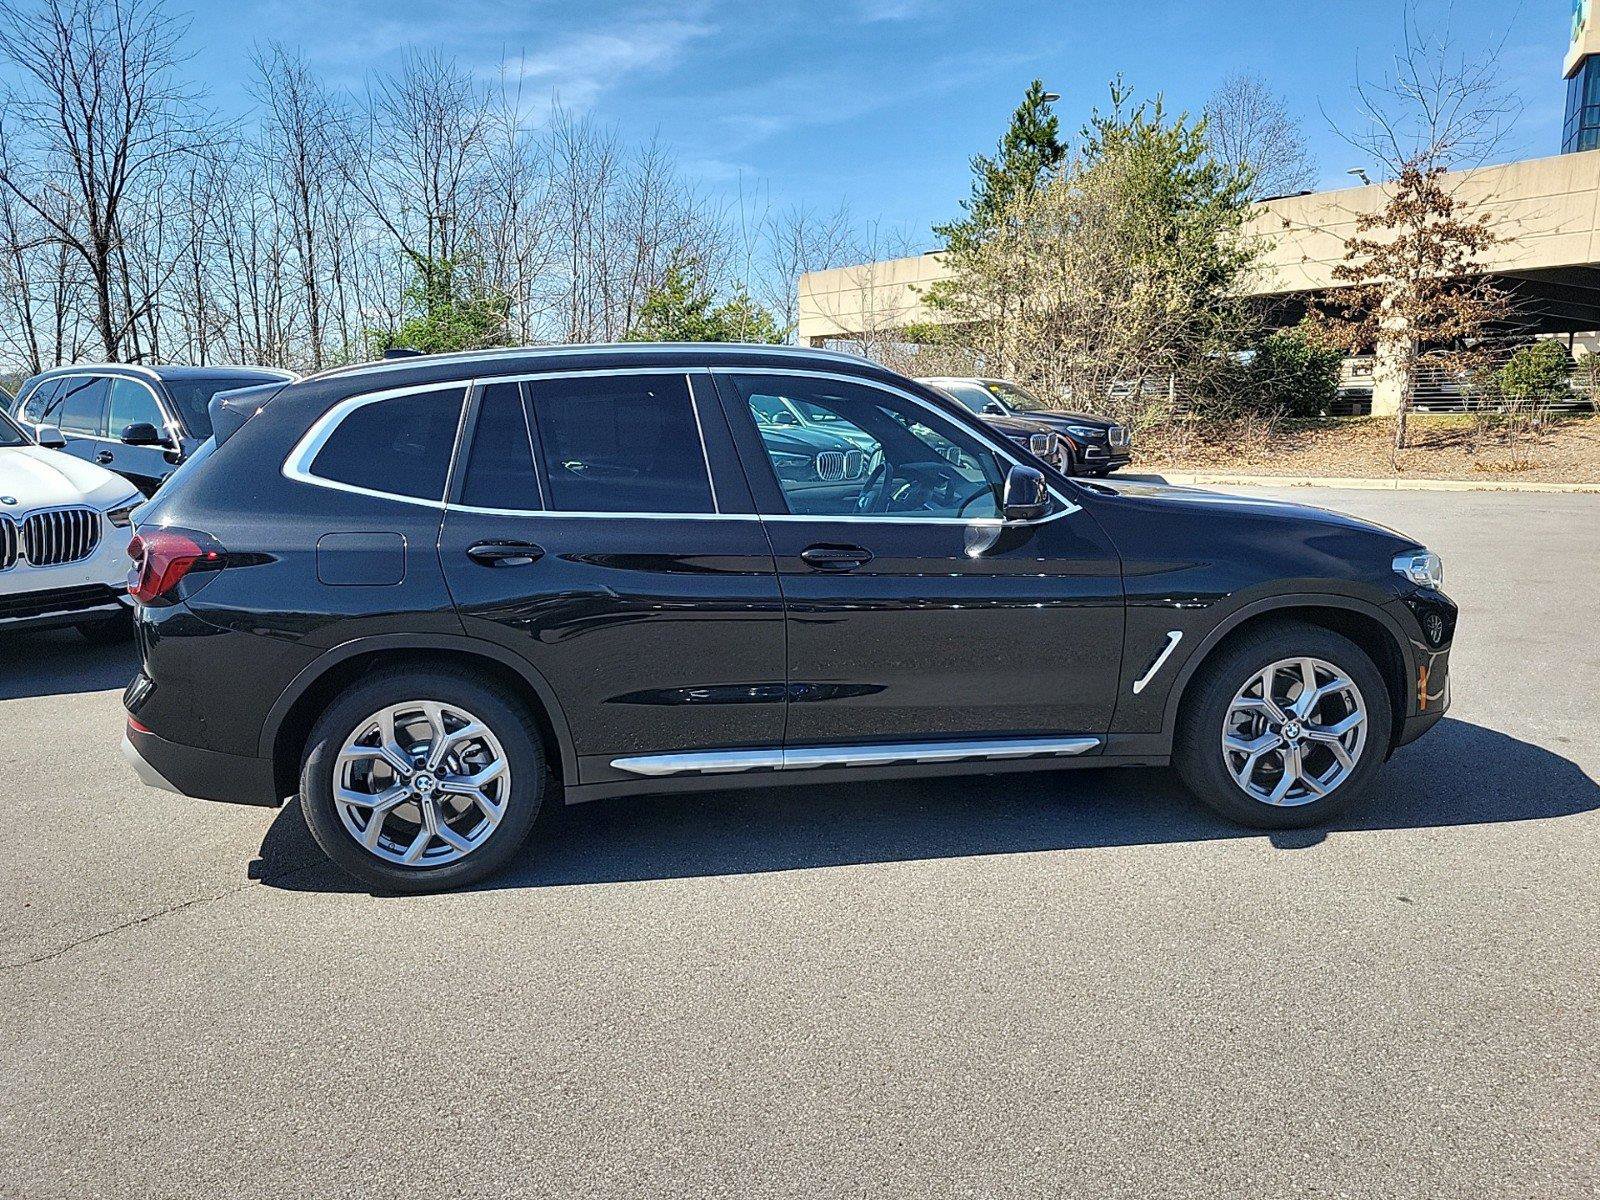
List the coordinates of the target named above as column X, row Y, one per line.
column 580, row 67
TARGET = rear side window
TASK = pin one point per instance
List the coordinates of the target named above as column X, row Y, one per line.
column 499, row 469
column 397, row 445
column 80, row 407
column 620, row 443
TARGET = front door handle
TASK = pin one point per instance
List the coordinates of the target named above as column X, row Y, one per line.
column 505, row 554
column 836, row 558
column 104, row 456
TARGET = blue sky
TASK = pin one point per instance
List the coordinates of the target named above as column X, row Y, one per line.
column 881, row 102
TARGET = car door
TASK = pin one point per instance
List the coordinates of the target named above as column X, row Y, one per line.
column 599, row 527
column 131, row 402
column 915, row 613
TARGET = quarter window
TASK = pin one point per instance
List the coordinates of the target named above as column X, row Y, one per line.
column 400, row 445
column 499, row 470
column 620, row 443
column 131, row 403
column 856, row 450
column 80, row 407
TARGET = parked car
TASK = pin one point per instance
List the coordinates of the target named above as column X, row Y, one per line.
column 64, row 530
column 1089, row 445
column 428, row 595
column 141, row 422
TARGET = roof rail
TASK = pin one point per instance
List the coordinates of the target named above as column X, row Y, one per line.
column 643, row 349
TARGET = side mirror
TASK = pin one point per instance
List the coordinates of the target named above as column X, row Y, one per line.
column 141, row 433
column 784, row 417
column 1026, row 497
column 995, row 409
column 49, row 436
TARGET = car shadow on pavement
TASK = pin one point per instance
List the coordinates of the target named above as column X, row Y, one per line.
column 57, row 662
column 1461, row 774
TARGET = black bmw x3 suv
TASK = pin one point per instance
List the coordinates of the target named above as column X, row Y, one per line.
column 428, row 595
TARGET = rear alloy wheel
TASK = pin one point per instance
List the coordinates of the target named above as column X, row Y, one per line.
column 422, row 782
column 1285, row 728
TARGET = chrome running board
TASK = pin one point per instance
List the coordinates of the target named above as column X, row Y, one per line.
column 723, row 762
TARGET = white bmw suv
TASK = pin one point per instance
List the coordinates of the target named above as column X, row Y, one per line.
column 64, row 531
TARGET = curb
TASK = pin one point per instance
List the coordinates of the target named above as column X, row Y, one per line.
column 1222, row 479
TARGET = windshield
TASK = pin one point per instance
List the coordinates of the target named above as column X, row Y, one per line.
column 193, row 395
column 10, row 435
column 1014, row 395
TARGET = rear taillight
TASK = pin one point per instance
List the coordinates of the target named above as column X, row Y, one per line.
column 170, row 564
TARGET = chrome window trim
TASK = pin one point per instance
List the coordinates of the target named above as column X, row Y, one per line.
column 977, row 430
column 168, row 421
column 297, row 466
column 875, row 754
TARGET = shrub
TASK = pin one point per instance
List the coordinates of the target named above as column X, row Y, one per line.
column 1293, row 373
column 1538, row 371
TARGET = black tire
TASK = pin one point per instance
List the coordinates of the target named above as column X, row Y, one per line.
column 1197, row 749
column 109, row 631
column 508, row 720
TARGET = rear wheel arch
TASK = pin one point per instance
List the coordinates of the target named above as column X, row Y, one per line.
column 292, row 718
column 1373, row 631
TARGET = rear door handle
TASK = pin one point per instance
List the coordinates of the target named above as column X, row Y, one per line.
column 505, row 554
column 836, row 558
column 104, row 456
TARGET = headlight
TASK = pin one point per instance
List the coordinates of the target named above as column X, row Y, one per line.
column 122, row 515
column 1085, row 431
column 1423, row 567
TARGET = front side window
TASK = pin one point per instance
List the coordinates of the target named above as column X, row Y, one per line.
column 877, row 454
column 973, row 395
column 620, row 443
column 396, row 445
column 130, row 404
column 80, row 406
column 1014, row 396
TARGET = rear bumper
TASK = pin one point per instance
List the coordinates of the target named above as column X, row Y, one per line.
column 201, row 774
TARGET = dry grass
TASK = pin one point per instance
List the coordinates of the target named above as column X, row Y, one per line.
column 1567, row 450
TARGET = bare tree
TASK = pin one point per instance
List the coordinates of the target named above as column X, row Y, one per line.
column 1413, row 272
column 97, row 109
column 1250, row 129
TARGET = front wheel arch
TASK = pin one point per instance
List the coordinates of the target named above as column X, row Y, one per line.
column 1373, row 631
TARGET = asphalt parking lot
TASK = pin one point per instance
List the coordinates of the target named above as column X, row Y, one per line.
column 1076, row 983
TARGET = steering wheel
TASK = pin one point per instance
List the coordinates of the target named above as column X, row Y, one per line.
column 977, row 493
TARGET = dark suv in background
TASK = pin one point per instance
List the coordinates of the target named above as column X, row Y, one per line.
column 426, row 595
column 1089, row 445
column 141, row 422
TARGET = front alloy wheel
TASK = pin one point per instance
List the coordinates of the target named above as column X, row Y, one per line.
column 1283, row 726
column 1294, row 732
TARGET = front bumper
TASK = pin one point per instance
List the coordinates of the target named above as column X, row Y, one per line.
column 55, row 607
column 200, row 774
column 1097, row 456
